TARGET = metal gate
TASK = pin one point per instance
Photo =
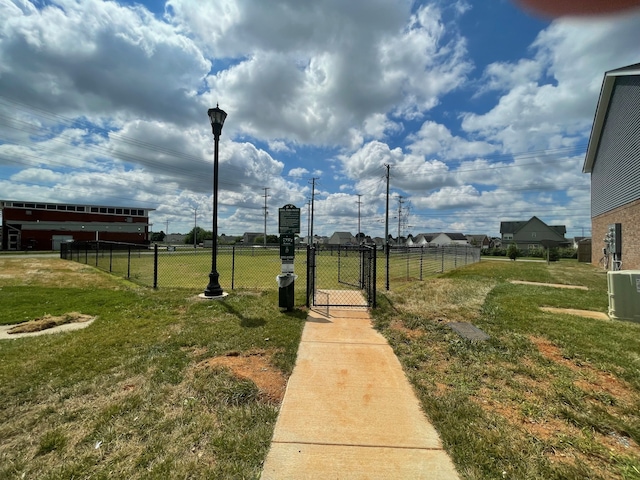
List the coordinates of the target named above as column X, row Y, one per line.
column 342, row 278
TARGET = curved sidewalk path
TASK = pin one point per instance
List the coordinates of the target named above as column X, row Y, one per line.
column 349, row 412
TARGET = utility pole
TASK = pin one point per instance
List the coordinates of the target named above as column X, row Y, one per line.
column 400, row 202
column 266, row 212
column 358, row 234
column 313, row 194
column 167, row 230
column 195, row 226
column 308, row 222
column 386, row 232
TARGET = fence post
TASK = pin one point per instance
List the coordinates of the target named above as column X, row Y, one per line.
column 442, row 250
column 129, row 261
column 233, row 266
column 421, row 260
column 110, row 258
column 387, row 249
column 155, row 265
column 97, row 248
column 455, row 256
column 407, row 263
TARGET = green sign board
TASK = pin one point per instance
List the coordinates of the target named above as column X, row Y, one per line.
column 289, row 219
column 287, row 245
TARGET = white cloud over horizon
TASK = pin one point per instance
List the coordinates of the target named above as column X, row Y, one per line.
column 105, row 102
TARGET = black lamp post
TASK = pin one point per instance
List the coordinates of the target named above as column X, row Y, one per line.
column 217, row 117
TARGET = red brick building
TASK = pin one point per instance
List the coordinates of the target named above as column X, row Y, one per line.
column 43, row 226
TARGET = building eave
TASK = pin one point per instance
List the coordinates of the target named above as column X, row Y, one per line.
column 601, row 112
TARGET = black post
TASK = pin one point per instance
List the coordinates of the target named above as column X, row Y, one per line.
column 129, row 261
column 233, row 266
column 155, row 265
column 217, row 118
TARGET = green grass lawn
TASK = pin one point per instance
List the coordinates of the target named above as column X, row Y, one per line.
column 163, row 385
column 549, row 396
column 140, row 393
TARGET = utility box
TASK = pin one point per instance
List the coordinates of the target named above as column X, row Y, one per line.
column 624, row 294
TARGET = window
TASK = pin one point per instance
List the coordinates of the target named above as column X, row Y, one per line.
column 111, row 210
column 126, row 211
column 61, row 207
column 40, row 206
column 103, row 210
column 118, row 211
column 51, row 207
column 94, row 209
column 508, row 236
column 533, row 234
column 79, row 209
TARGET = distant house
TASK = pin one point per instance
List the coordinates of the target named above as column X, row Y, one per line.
column 442, row 239
column 532, row 234
column 342, row 238
column 175, row 238
column 317, row 240
column 482, row 241
column 249, row 238
column 613, row 160
column 379, row 242
column 423, row 239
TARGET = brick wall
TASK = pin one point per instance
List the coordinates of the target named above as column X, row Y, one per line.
column 629, row 216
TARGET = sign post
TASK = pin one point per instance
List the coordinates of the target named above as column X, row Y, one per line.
column 288, row 226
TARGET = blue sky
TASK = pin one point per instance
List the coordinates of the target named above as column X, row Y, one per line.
column 482, row 110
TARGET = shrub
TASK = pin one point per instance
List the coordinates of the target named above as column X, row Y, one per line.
column 513, row 252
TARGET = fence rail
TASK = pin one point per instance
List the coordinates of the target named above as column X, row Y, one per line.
column 254, row 267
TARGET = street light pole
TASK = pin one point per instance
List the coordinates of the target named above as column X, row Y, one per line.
column 217, row 117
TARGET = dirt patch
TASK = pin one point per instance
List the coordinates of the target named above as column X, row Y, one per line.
column 47, row 324
column 444, row 300
column 396, row 324
column 22, row 271
column 602, row 389
column 579, row 313
column 554, row 285
column 49, row 321
column 254, row 366
column 591, row 379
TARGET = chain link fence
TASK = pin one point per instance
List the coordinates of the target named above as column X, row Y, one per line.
column 255, row 267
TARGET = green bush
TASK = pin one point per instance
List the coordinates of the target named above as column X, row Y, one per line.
column 513, row 252
column 494, row 252
column 568, row 252
column 537, row 253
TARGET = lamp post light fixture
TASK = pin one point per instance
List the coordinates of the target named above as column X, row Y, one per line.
column 217, row 117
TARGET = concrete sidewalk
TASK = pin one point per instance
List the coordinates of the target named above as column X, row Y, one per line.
column 349, row 411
